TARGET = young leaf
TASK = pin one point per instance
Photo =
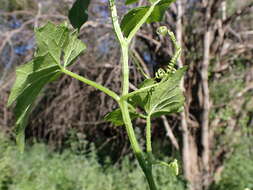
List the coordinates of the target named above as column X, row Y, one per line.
column 134, row 15
column 159, row 11
column 132, row 18
column 116, row 116
column 45, row 67
column 164, row 98
column 78, row 14
column 141, row 98
column 173, row 166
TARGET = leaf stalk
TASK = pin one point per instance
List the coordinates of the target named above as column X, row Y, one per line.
column 92, row 83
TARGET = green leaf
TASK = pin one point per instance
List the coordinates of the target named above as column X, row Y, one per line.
column 116, row 116
column 140, row 98
column 165, row 98
column 31, row 77
column 128, row 2
column 173, row 166
column 130, row 19
column 78, row 14
column 72, row 50
column 152, row 1
column 50, row 40
column 159, row 11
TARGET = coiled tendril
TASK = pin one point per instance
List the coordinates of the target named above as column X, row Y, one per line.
column 170, row 69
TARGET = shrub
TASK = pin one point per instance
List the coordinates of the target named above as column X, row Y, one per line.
column 41, row 169
column 238, row 169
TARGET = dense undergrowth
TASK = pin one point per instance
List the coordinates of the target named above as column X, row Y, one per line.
column 39, row 169
column 238, row 169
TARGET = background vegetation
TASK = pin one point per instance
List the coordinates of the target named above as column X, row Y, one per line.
column 212, row 139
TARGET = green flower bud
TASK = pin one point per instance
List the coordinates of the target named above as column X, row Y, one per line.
column 162, row 30
column 174, row 167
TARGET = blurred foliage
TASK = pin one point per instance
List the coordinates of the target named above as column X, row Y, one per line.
column 39, row 168
column 224, row 88
column 238, row 168
column 11, row 5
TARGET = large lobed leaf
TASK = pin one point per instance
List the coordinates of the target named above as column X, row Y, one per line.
column 165, row 98
column 130, row 19
column 52, row 42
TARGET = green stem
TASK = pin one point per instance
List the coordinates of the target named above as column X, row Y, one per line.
column 115, row 22
column 129, row 128
column 92, row 83
column 125, row 69
column 148, row 136
column 123, row 103
column 149, row 153
column 146, row 166
column 125, row 83
column 150, row 179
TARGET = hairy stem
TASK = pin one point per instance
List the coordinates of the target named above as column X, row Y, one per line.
column 125, row 84
column 115, row 22
column 148, row 136
column 125, row 69
column 123, row 103
column 149, row 152
column 92, row 83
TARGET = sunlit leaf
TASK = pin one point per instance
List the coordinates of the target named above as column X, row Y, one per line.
column 173, row 166
column 132, row 17
column 31, row 77
column 72, row 50
column 165, row 98
column 159, row 11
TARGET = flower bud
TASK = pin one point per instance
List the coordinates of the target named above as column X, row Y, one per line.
column 162, row 30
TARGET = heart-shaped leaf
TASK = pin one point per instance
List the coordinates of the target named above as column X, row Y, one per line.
column 131, row 18
column 165, row 98
column 116, row 116
column 31, row 77
column 78, row 14
column 159, row 11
